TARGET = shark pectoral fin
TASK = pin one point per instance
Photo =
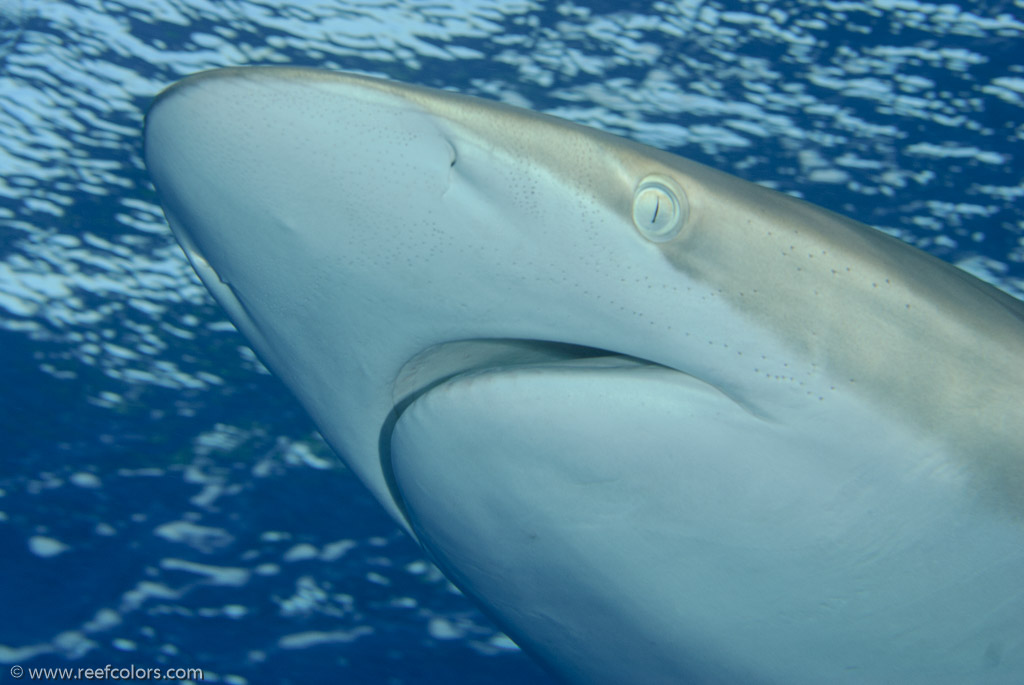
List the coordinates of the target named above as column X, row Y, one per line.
column 539, row 489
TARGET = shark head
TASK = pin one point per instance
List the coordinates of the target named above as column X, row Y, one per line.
column 659, row 422
column 349, row 225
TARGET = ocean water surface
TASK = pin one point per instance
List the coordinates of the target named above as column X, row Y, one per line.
column 165, row 502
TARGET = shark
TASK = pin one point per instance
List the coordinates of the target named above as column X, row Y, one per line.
column 661, row 424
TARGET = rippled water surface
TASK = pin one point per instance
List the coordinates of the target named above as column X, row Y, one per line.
column 163, row 501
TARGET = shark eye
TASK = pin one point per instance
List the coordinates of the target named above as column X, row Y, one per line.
column 659, row 208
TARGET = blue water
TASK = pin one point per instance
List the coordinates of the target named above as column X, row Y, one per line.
column 164, row 502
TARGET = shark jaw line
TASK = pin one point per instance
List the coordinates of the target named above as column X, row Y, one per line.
column 444, row 361
column 460, row 359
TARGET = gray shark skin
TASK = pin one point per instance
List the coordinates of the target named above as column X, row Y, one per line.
column 661, row 424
